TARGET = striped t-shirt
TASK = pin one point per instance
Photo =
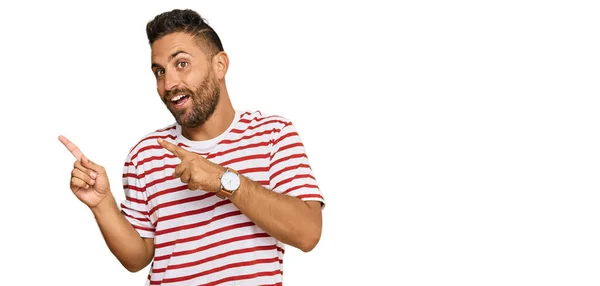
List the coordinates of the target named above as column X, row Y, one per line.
column 199, row 238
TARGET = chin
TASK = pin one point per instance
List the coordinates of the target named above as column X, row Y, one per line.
column 189, row 121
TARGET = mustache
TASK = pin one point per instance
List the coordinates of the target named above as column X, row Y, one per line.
column 170, row 93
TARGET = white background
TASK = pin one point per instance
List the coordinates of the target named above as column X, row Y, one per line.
column 456, row 142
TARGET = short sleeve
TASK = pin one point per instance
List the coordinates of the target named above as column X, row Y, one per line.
column 135, row 207
column 290, row 172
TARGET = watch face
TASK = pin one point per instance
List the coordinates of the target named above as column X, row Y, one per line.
column 230, row 181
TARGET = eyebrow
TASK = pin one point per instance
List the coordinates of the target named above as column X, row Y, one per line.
column 177, row 53
column 170, row 58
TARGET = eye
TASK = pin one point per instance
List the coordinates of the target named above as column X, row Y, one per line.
column 159, row 72
column 182, row 65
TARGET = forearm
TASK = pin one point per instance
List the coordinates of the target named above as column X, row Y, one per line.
column 288, row 219
column 120, row 236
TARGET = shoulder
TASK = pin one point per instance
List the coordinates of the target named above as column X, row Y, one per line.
column 275, row 128
column 257, row 119
column 148, row 140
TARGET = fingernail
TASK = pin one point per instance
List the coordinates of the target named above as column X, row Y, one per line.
column 93, row 175
column 87, row 186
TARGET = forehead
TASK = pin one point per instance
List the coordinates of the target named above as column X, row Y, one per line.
column 164, row 47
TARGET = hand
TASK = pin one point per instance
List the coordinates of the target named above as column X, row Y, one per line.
column 194, row 170
column 89, row 181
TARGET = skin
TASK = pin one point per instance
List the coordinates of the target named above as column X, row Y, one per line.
column 181, row 65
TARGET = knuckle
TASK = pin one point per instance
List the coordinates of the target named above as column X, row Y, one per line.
column 196, row 177
column 75, row 182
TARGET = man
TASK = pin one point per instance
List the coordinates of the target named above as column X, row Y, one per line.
column 212, row 198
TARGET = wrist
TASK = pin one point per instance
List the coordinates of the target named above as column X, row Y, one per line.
column 229, row 183
column 242, row 190
column 107, row 204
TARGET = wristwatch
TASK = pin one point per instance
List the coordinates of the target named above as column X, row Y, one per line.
column 230, row 182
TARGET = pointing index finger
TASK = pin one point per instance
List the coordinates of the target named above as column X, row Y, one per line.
column 72, row 147
column 176, row 150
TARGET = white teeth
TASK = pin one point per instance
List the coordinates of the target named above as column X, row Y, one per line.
column 176, row 98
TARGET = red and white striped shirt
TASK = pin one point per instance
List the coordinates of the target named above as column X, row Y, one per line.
column 199, row 238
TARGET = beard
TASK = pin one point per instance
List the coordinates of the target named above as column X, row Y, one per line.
column 203, row 103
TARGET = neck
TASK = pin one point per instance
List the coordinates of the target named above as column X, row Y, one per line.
column 216, row 124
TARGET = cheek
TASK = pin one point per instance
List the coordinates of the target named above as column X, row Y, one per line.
column 190, row 78
column 160, row 89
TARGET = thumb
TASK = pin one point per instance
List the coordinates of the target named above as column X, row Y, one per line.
column 91, row 165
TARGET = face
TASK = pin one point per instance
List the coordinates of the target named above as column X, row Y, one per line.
column 185, row 79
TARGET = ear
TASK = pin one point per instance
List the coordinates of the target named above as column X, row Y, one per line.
column 220, row 65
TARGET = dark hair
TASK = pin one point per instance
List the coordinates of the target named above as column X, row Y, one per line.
column 188, row 21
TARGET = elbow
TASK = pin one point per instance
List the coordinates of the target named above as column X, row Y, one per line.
column 309, row 242
column 307, row 247
column 135, row 262
column 132, row 268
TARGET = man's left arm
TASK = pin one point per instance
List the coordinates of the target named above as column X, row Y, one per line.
column 288, row 219
column 289, row 209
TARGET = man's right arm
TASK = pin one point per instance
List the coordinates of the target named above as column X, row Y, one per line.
column 89, row 183
column 133, row 251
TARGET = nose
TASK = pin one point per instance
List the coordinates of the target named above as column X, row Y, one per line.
column 172, row 80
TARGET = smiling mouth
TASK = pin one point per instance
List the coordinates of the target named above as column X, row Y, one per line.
column 179, row 100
